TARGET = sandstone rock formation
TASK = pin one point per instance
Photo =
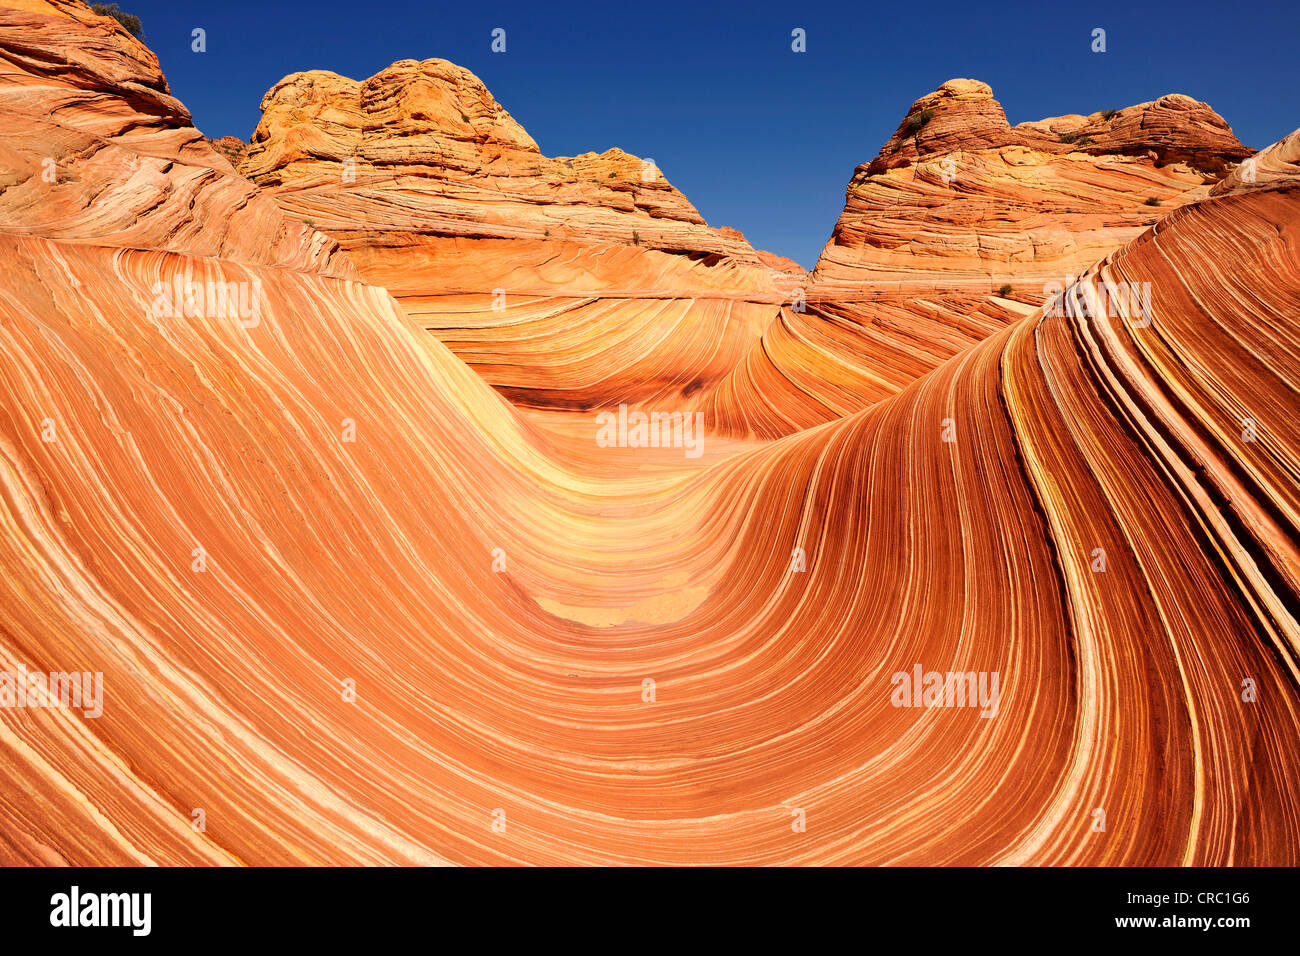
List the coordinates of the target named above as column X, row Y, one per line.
column 963, row 116
column 94, row 148
column 231, row 147
column 787, row 275
column 957, row 205
column 963, row 200
column 566, row 281
column 238, row 525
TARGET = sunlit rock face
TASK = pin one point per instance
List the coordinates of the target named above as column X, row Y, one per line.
column 93, row 148
column 566, row 281
column 350, row 606
column 957, row 207
column 788, row 276
column 959, row 199
column 232, row 148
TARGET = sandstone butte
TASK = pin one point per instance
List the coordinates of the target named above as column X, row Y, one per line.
column 957, row 205
column 133, row 443
column 567, row 281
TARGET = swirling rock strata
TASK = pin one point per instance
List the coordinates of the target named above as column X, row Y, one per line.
column 357, row 609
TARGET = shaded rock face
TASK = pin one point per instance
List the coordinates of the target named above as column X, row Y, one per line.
column 957, row 207
column 520, row 262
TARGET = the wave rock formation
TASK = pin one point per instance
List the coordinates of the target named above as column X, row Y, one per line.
column 352, row 605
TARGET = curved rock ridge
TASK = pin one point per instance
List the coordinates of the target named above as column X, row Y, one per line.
column 957, row 206
column 480, row 700
column 357, row 609
column 1276, row 164
column 566, row 281
column 832, row 359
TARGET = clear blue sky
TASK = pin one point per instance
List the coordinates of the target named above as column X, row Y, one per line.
column 758, row 137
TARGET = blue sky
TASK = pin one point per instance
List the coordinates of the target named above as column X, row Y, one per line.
column 758, row 137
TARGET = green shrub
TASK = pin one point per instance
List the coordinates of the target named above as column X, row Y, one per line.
column 636, row 238
column 1152, row 201
column 917, row 120
column 128, row 20
column 1069, row 137
column 1005, row 290
column 1109, row 114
